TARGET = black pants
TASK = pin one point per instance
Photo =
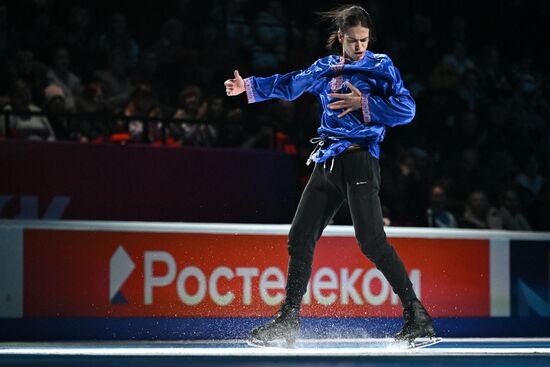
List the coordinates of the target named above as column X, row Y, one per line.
column 353, row 176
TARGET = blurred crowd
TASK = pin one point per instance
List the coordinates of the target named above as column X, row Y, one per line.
column 477, row 154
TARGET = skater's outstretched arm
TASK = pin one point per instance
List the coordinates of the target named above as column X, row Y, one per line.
column 282, row 86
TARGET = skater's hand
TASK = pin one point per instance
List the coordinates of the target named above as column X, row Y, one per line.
column 347, row 101
column 234, row 86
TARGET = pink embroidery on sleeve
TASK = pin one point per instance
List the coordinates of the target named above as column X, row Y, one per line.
column 249, row 90
column 365, row 108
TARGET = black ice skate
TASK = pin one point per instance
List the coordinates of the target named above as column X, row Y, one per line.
column 280, row 332
column 418, row 323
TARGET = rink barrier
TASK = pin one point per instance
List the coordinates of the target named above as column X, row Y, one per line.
column 118, row 280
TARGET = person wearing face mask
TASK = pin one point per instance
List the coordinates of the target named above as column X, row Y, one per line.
column 361, row 94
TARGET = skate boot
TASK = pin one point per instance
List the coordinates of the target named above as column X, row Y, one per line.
column 282, row 331
column 418, row 323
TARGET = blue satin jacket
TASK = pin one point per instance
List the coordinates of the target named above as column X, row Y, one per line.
column 385, row 101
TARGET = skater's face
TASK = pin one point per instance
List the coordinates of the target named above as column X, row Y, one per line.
column 355, row 41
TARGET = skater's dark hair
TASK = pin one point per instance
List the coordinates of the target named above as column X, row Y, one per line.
column 344, row 17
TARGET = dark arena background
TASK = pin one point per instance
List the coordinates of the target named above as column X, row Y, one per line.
column 144, row 214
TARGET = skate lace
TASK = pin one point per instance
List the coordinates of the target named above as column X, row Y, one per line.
column 408, row 316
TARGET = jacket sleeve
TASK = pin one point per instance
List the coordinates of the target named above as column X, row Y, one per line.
column 285, row 86
column 395, row 106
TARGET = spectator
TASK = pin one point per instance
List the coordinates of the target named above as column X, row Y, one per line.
column 21, row 124
column 306, row 47
column 467, row 134
column 479, row 214
column 258, row 137
column 470, row 91
column 270, row 31
column 444, row 77
column 144, row 104
column 526, row 75
column 55, row 109
column 191, row 104
column 458, row 59
column 170, row 42
column 192, row 107
column 493, row 74
column 146, row 71
column 213, row 45
column 458, row 29
column 44, row 34
column 512, row 218
column 437, row 215
column 118, row 37
column 92, row 125
column 238, row 30
column 540, row 211
column 530, row 112
column 466, row 176
column 226, row 121
column 64, row 78
column 420, row 34
column 529, row 182
column 498, row 133
column 283, row 120
column 93, row 100
column 442, row 105
column 117, row 87
column 217, row 110
column 402, row 183
column 79, row 39
column 24, row 67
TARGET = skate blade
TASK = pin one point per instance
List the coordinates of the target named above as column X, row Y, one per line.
column 279, row 343
column 423, row 342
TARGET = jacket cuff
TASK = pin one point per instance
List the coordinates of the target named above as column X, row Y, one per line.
column 249, row 90
column 365, row 108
